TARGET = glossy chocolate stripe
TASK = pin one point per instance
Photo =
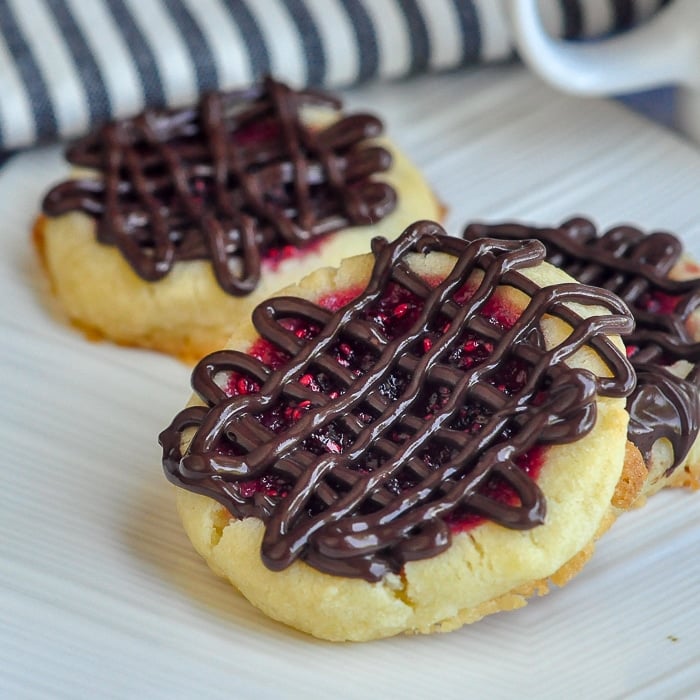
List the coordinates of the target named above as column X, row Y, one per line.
column 339, row 514
column 237, row 176
column 635, row 266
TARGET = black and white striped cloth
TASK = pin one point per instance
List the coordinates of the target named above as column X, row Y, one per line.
column 66, row 65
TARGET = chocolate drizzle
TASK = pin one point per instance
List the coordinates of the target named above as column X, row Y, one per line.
column 365, row 480
column 228, row 181
column 636, row 267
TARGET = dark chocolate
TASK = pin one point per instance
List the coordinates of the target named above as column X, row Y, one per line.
column 229, row 181
column 636, row 267
column 366, row 462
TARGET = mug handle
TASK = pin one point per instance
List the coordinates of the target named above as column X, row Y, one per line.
column 662, row 51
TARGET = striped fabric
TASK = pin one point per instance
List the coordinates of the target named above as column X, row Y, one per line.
column 66, row 65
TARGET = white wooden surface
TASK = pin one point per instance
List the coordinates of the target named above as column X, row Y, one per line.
column 101, row 594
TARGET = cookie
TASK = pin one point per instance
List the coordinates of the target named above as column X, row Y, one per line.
column 428, row 434
column 177, row 223
column 661, row 286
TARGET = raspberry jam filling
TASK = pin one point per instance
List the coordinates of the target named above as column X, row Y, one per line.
column 262, row 135
column 659, row 303
column 651, row 273
column 273, row 257
column 395, row 313
column 365, row 431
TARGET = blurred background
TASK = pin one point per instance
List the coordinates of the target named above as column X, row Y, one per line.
column 68, row 65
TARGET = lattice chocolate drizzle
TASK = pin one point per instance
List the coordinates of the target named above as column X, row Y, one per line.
column 382, row 498
column 635, row 266
column 238, row 176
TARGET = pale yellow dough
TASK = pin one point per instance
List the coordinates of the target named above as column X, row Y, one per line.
column 488, row 569
column 186, row 313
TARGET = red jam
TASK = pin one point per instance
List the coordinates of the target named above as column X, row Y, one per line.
column 658, row 302
column 274, row 257
column 655, row 302
column 254, row 134
column 395, row 313
column 531, row 463
column 257, row 131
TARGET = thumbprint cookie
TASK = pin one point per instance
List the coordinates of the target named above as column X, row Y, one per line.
column 660, row 284
column 176, row 222
column 430, row 433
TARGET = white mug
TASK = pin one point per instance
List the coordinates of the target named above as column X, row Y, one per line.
column 663, row 51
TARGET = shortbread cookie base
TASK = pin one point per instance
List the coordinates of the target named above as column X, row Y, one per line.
column 186, row 313
column 487, row 569
column 685, row 475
